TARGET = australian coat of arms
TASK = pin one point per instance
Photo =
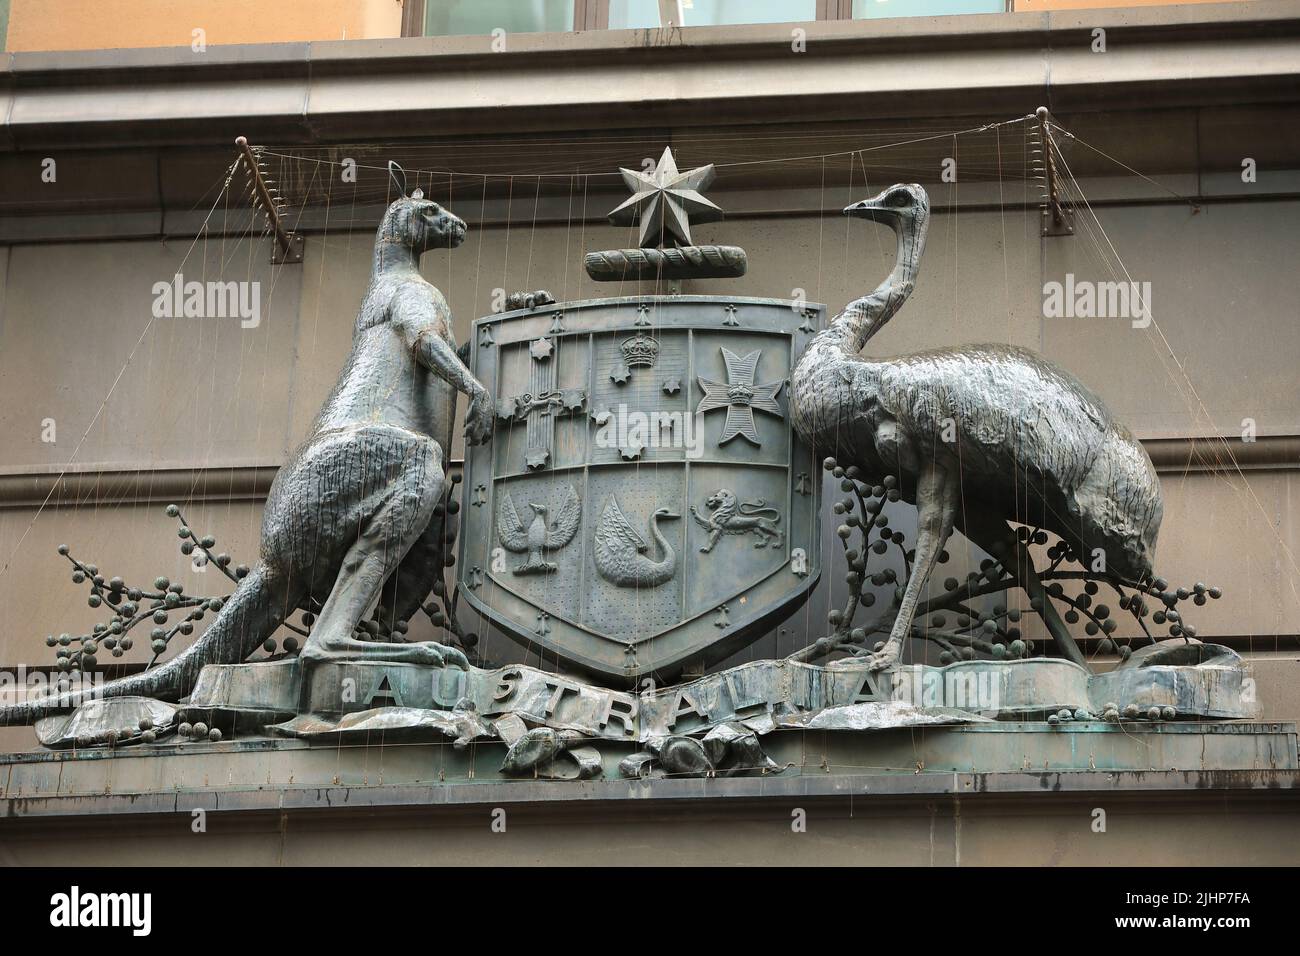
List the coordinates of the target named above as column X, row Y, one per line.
column 643, row 495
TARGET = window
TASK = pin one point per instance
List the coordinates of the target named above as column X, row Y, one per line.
column 700, row 13
column 636, row 14
column 479, row 17
column 873, row 9
column 471, row 17
column 633, row 14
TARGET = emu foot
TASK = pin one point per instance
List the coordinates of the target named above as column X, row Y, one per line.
column 883, row 659
column 351, row 649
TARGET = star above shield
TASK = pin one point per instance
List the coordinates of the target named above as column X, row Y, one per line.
column 740, row 396
column 666, row 200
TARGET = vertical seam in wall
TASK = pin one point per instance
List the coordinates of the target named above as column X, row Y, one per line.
column 306, row 95
column 956, row 823
column 933, row 812
column 1196, row 145
column 287, row 442
column 295, row 368
column 158, row 186
column 8, row 253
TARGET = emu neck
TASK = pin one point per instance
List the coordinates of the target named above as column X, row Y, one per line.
column 395, row 257
column 864, row 317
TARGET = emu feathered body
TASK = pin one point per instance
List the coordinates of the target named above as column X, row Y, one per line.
column 1032, row 443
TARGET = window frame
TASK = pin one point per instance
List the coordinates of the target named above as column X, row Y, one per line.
column 587, row 15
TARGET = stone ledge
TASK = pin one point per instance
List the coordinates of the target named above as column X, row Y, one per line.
column 1156, row 760
column 1215, row 785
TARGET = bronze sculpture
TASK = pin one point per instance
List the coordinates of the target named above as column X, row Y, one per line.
column 1015, row 436
column 362, row 502
column 602, row 418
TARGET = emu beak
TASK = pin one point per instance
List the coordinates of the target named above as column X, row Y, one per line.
column 871, row 209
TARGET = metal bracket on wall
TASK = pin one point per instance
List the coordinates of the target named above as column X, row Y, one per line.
column 1058, row 217
column 264, row 195
column 1058, row 220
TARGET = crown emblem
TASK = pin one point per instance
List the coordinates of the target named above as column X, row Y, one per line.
column 639, row 351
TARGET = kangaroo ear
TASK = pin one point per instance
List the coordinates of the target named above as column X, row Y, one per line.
column 398, row 175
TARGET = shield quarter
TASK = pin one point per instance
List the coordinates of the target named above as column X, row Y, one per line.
column 644, row 505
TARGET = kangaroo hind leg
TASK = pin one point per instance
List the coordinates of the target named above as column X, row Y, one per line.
column 421, row 571
column 399, row 515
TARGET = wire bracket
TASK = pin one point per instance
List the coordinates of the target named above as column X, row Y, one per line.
column 265, row 197
column 1058, row 217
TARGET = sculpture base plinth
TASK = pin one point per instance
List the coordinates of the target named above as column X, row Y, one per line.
column 560, row 727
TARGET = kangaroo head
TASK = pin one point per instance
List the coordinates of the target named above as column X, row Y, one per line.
column 417, row 223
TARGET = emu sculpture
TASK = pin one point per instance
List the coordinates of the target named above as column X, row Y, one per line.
column 978, row 435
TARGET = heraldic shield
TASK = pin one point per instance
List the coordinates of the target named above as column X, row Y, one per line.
column 644, row 504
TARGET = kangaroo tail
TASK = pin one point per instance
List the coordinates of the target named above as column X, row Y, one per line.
column 258, row 606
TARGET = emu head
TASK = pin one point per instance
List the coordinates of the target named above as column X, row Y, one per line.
column 417, row 223
column 904, row 207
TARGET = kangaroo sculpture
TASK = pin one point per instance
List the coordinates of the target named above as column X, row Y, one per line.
column 354, row 517
column 1029, row 442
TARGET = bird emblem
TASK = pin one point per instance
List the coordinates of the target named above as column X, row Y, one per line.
column 538, row 536
column 620, row 550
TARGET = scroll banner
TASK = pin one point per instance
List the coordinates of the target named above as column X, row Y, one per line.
column 329, row 698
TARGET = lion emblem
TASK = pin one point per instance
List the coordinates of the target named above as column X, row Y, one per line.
column 728, row 515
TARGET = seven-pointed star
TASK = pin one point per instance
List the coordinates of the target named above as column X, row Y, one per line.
column 740, row 396
column 665, row 200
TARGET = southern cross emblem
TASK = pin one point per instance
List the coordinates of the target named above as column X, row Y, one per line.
column 740, row 396
column 665, row 199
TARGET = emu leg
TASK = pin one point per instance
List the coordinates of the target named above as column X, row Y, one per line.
column 936, row 503
column 1051, row 617
column 996, row 537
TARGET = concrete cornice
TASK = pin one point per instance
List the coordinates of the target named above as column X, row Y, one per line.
column 878, row 790
column 413, row 87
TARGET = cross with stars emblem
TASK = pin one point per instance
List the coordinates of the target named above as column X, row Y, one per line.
column 541, row 405
column 740, row 396
column 665, row 199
